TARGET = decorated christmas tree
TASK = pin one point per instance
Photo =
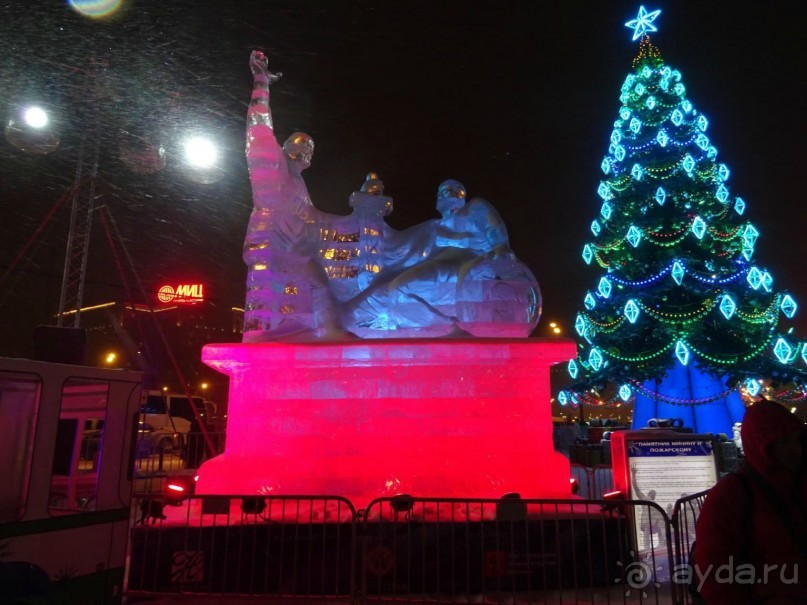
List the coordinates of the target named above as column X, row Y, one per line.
column 681, row 318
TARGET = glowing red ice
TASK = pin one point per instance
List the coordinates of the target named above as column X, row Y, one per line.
column 364, row 419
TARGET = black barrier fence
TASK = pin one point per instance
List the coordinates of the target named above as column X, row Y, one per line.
column 685, row 516
column 406, row 549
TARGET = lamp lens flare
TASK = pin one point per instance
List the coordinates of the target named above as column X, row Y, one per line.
column 35, row 117
column 200, row 152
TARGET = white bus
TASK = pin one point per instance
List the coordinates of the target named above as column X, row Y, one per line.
column 66, row 462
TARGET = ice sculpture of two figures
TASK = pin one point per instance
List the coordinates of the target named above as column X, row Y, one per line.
column 315, row 275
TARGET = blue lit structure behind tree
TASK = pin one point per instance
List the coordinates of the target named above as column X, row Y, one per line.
column 682, row 319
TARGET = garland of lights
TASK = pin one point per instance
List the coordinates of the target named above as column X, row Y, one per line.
column 678, row 400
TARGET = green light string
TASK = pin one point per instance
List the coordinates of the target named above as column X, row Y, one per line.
column 763, row 316
column 640, row 358
column 729, row 361
column 678, row 318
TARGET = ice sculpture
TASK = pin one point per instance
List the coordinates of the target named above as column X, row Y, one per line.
column 315, row 275
column 316, row 407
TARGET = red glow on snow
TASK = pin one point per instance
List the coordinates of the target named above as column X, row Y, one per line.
column 365, row 419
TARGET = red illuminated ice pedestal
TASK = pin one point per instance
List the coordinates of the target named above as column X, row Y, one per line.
column 364, row 419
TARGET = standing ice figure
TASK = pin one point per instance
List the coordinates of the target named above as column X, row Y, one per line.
column 315, row 275
column 287, row 290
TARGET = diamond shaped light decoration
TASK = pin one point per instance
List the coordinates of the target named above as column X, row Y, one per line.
column 662, row 138
column 753, row 387
column 605, row 210
column 698, row 227
column 739, row 206
column 639, row 89
column 580, row 324
column 804, row 352
column 625, row 392
column 619, row 154
column 637, row 172
column 624, row 113
column 604, row 191
column 677, row 117
column 788, row 306
column 686, row 106
column 589, row 301
column 723, row 172
column 782, row 350
column 767, row 281
column 624, row 97
column 634, row 236
column 702, row 141
column 635, row 125
column 748, row 252
column 563, row 398
column 661, row 196
column 595, row 359
column 711, row 153
column 688, row 163
column 750, row 234
column 754, row 278
column 595, row 227
column 727, row 306
column 606, row 166
column 702, row 122
column 573, row 369
column 679, row 89
column 588, row 254
column 682, row 352
column 678, row 272
column 651, row 102
column 722, row 193
column 604, row 287
column 632, row 311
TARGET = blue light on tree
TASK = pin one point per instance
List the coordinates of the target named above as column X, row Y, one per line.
column 686, row 106
column 677, row 117
column 643, row 23
column 590, row 301
column 580, row 324
column 724, row 172
column 682, row 352
column 631, row 311
column 619, row 154
column 635, row 125
column 573, row 369
column 606, row 210
column 624, row 113
column 625, row 392
column 754, row 278
column 637, row 172
column 702, row 123
column 722, row 193
column 651, row 102
column 604, row 191
column 750, row 235
column 563, row 398
column 661, row 196
column 739, row 206
column 604, row 287
column 606, row 166
column 677, row 272
column 788, row 306
column 767, row 281
column 662, row 138
column 782, row 350
column 698, row 227
column 595, row 359
column 753, row 387
column 702, row 141
column 688, row 163
column 634, row 236
column 728, row 306
column 639, row 89
column 587, row 254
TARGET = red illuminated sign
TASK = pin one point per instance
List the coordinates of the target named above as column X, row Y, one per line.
column 183, row 293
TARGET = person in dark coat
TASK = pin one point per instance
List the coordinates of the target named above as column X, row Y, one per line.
column 753, row 522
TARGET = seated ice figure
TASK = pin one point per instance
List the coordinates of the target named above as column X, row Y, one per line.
column 447, row 276
column 315, row 275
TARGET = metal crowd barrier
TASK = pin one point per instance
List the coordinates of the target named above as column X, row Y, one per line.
column 685, row 516
column 405, row 549
column 593, row 482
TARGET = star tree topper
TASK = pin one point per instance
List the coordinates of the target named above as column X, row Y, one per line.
column 643, row 23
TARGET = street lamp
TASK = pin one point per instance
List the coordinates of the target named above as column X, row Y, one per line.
column 30, row 129
column 110, row 358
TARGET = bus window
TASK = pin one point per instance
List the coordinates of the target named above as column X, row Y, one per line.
column 19, row 403
column 79, row 441
column 154, row 404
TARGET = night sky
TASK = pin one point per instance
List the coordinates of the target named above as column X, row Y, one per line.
column 514, row 99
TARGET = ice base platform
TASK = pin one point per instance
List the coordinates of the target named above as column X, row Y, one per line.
column 367, row 419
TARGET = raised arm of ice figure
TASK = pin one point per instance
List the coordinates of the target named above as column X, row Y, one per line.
column 259, row 112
